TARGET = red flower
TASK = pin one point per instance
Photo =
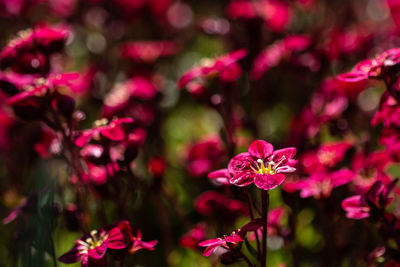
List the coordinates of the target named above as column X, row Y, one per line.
column 326, row 156
column 116, row 239
column 224, row 67
column 375, row 68
column 276, row 14
column 148, row 51
column 320, row 184
column 231, row 241
column 275, row 53
column 91, row 249
column 262, row 165
column 371, row 203
column 28, row 53
column 204, row 156
column 211, row 203
column 112, row 130
column 194, row 236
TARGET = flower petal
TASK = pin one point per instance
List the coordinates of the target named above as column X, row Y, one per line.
column 242, row 178
column 260, row 149
column 268, row 182
column 239, row 163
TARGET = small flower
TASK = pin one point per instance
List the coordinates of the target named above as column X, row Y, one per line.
column 204, row 155
column 211, row 203
column 112, row 130
column 370, row 204
column 91, row 249
column 148, row 51
column 262, row 165
column 225, row 68
column 194, row 236
column 320, row 184
column 231, row 241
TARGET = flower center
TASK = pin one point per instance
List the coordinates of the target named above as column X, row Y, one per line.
column 271, row 169
column 95, row 240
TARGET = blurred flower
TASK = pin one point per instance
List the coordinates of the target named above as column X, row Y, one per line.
column 276, row 14
column 232, row 241
column 148, row 51
column 275, row 53
column 320, row 184
column 29, row 52
column 212, row 203
column 112, row 130
column 157, row 166
column 194, row 236
column 204, row 155
column 224, row 68
column 372, row 203
column 262, row 165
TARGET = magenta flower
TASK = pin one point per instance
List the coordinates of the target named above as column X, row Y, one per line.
column 139, row 244
column 320, row 184
column 372, row 203
column 275, row 53
column 262, row 165
column 91, row 249
column 276, row 14
column 112, row 130
column 373, row 68
column 194, row 236
column 388, row 113
column 224, row 67
column 28, row 53
column 117, row 239
column 148, row 51
column 204, row 155
column 212, row 203
column 231, row 241
column 328, row 155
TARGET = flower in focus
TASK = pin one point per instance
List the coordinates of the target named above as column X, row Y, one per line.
column 262, row 165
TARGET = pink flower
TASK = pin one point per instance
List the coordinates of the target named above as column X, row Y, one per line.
column 204, row 155
column 275, row 53
column 148, row 51
column 91, row 249
column 212, row 203
column 320, row 184
column 28, row 53
column 116, row 239
column 372, row 203
column 194, row 236
column 370, row 168
column 225, row 68
column 231, row 241
column 388, row 113
column 112, row 130
column 375, row 68
column 328, row 155
column 157, row 166
column 262, row 165
column 275, row 14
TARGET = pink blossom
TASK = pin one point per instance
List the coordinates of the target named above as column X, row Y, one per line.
column 262, row 165
column 148, row 51
column 321, row 184
column 212, row 203
column 194, row 236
